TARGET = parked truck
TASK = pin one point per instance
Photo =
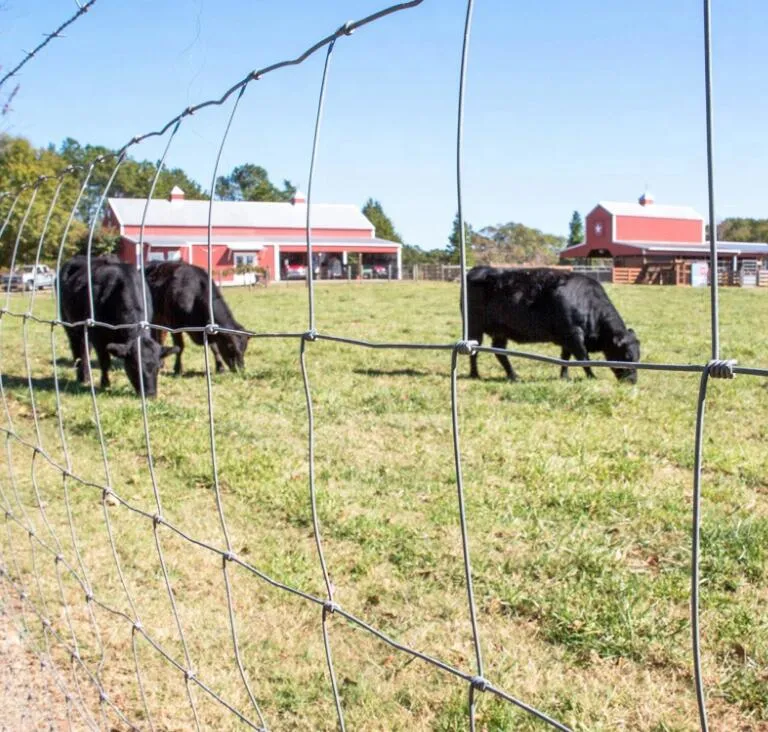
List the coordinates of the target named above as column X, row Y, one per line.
column 28, row 277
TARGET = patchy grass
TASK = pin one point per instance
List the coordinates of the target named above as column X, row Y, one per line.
column 578, row 501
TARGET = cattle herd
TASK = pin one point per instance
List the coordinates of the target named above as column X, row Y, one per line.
column 174, row 295
column 522, row 305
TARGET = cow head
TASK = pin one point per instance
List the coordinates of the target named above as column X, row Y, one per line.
column 624, row 347
column 152, row 353
column 232, row 348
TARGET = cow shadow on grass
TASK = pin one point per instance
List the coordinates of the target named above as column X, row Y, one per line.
column 501, row 379
column 395, row 372
column 44, row 383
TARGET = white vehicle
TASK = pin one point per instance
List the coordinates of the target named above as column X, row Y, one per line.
column 29, row 277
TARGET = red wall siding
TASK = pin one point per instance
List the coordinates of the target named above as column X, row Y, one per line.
column 127, row 251
column 603, row 239
column 222, row 257
column 637, row 228
column 267, row 260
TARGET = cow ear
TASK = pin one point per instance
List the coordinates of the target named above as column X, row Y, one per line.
column 118, row 349
column 168, row 350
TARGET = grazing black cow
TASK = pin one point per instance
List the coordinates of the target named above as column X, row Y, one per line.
column 547, row 306
column 117, row 300
column 180, row 299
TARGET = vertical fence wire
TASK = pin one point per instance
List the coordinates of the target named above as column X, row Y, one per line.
column 713, row 273
column 310, row 181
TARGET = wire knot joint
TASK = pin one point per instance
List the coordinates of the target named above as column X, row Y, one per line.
column 310, row 335
column 479, row 683
column 722, row 368
column 466, row 348
column 330, row 607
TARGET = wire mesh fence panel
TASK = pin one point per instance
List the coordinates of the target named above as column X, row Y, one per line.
column 142, row 614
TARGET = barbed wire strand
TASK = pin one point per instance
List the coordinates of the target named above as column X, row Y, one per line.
column 81, row 10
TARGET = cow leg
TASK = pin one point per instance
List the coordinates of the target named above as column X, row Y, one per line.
column 579, row 350
column 473, row 372
column 178, row 340
column 75, row 337
column 84, row 365
column 500, row 342
column 105, row 363
column 220, row 367
column 564, row 355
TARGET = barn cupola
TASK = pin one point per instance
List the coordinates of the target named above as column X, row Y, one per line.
column 298, row 197
column 646, row 199
column 177, row 194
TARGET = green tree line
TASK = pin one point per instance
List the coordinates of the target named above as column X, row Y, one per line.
column 21, row 163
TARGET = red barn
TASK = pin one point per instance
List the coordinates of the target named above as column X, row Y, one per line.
column 252, row 234
column 647, row 235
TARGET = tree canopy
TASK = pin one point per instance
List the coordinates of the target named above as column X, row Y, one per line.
column 454, row 242
column 385, row 229
column 514, row 243
column 575, row 229
column 251, row 182
column 21, row 163
column 743, row 229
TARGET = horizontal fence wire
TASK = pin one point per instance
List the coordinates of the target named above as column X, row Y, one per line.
column 83, row 680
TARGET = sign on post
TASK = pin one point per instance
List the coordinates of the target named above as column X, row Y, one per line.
column 699, row 274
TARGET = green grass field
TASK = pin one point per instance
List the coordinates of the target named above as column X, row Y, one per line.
column 578, row 501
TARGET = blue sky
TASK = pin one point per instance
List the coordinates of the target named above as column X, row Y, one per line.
column 568, row 102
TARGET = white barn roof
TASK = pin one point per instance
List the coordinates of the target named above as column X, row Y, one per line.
column 255, row 214
column 650, row 211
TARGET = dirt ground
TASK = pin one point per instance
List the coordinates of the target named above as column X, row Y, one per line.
column 29, row 699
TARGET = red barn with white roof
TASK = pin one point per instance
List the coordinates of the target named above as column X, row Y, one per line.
column 632, row 229
column 646, row 233
column 251, row 234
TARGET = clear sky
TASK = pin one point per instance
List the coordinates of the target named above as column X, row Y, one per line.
column 568, row 102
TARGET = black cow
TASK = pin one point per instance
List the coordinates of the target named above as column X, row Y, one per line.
column 547, row 306
column 180, row 299
column 117, row 300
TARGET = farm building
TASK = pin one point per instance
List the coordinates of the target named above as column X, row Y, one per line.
column 248, row 234
column 648, row 242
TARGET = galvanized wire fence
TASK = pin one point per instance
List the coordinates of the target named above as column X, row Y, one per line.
column 80, row 676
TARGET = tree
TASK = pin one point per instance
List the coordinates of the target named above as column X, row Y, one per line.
column 133, row 178
column 20, row 163
column 514, row 243
column 742, row 229
column 454, row 243
column 251, row 182
column 385, row 229
column 576, row 229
